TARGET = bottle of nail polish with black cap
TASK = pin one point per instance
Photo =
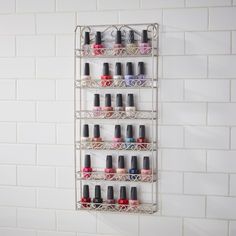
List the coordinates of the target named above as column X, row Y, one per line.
column 85, row 200
column 118, row 78
column 97, row 200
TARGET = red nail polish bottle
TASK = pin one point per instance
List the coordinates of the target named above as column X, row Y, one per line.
column 106, row 78
column 85, row 198
column 108, row 108
column 87, row 167
column 96, row 137
column 98, row 47
column 117, row 138
column 97, row 199
column 110, row 197
column 142, row 140
column 123, row 201
column 109, row 171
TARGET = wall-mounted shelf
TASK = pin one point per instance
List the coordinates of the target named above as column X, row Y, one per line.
column 84, row 87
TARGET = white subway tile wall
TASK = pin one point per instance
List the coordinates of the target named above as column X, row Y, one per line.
column 197, row 134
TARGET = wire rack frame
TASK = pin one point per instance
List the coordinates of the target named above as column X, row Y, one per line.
column 150, row 83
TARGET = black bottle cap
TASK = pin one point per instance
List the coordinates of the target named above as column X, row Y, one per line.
column 96, row 100
column 97, row 191
column 141, row 69
column 131, row 37
column 98, row 38
column 117, row 131
column 87, row 161
column 110, row 192
column 118, row 37
column 129, row 131
column 142, row 131
column 129, row 68
column 96, row 131
column 108, row 100
column 86, row 69
column 105, row 68
column 134, row 162
column 130, row 100
column 122, row 192
column 85, row 191
column 109, row 162
column 133, row 193
column 121, row 162
column 86, row 131
column 144, row 38
column 118, row 68
column 86, row 38
column 119, row 100
column 146, row 163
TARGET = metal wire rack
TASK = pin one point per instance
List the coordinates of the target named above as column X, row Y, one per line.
column 148, row 116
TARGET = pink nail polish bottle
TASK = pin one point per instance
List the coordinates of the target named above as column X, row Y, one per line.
column 97, row 140
column 117, row 48
column 119, row 103
column 144, row 46
column 86, row 46
column 96, row 106
column 134, row 202
column 110, row 197
column 117, row 137
column 121, row 171
column 146, row 172
column 108, row 108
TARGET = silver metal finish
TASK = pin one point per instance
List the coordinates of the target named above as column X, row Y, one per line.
column 150, row 116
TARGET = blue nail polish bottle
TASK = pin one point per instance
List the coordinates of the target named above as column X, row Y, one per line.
column 129, row 137
column 129, row 77
column 134, row 167
column 141, row 73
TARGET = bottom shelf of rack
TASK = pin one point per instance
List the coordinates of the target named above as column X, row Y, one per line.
column 144, row 208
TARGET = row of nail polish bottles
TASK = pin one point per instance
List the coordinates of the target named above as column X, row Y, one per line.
column 107, row 79
column 122, row 201
column 131, row 47
column 117, row 136
column 121, row 170
column 129, row 108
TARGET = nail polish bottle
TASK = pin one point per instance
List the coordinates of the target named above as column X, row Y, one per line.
column 134, row 202
column 86, row 46
column 118, row 78
column 117, row 137
column 119, row 102
column 123, row 201
column 129, row 77
column 144, row 46
column 121, row 171
column 109, row 171
column 142, row 140
column 98, row 48
column 131, row 47
column 129, row 137
column 86, row 78
column 134, row 168
column 96, row 137
column 87, row 167
column 110, row 196
column 97, row 200
column 146, row 172
column 106, row 78
column 85, row 137
column 117, row 48
column 85, row 200
column 141, row 73
column 96, row 106
column 108, row 108
column 130, row 108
